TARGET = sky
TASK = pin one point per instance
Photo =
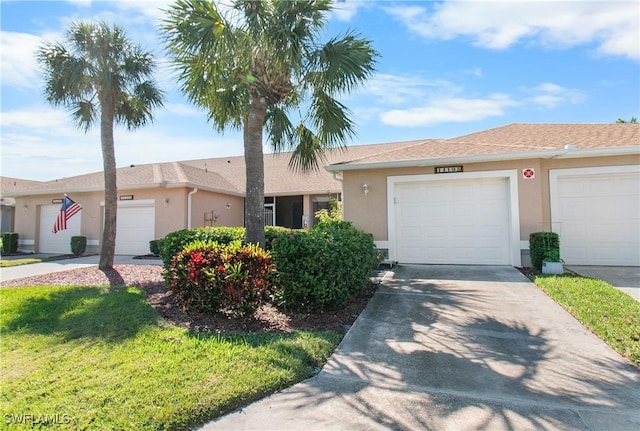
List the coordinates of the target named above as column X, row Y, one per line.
column 446, row 69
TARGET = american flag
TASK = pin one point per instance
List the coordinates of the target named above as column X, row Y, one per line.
column 69, row 209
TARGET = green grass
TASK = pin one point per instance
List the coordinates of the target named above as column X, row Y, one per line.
column 611, row 314
column 16, row 262
column 6, row 263
column 100, row 358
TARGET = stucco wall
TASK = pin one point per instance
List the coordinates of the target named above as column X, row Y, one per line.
column 369, row 212
column 170, row 212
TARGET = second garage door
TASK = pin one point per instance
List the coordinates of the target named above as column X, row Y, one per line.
column 596, row 212
column 136, row 227
column 453, row 221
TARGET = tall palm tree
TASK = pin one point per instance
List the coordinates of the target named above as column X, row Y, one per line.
column 260, row 64
column 100, row 76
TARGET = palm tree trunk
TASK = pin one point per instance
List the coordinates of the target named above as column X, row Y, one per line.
column 254, row 160
column 110, row 187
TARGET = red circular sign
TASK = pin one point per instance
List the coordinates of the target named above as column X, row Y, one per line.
column 528, row 173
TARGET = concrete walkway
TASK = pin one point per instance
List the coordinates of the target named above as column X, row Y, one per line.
column 458, row 348
column 21, row 271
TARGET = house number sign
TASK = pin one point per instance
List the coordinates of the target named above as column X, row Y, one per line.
column 448, row 169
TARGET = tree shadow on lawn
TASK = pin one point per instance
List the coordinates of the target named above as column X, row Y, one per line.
column 109, row 313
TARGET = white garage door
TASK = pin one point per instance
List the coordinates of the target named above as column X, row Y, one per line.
column 597, row 215
column 136, row 227
column 453, row 222
column 59, row 242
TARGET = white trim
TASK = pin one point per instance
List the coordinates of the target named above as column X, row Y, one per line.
column 93, row 242
column 26, row 241
column 514, row 211
column 524, row 244
column 134, row 203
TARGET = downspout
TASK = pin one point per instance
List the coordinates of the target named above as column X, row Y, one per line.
column 189, row 204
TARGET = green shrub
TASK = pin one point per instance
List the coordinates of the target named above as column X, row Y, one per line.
column 78, row 245
column 334, row 213
column 154, row 246
column 174, row 242
column 271, row 233
column 322, row 267
column 9, row 242
column 210, row 277
column 543, row 245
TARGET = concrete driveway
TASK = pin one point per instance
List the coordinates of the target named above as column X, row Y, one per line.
column 458, row 348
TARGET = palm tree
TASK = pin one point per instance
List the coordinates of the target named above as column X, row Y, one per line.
column 100, row 76
column 261, row 65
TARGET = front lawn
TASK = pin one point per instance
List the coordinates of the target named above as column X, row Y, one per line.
column 5, row 263
column 100, row 358
column 611, row 314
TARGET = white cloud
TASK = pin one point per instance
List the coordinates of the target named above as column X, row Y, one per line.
column 181, row 110
column 612, row 26
column 550, row 95
column 18, row 59
column 449, row 110
column 45, row 119
column 347, row 9
column 396, row 89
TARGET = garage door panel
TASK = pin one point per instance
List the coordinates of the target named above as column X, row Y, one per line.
column 598, row 216
column 59, row 242
column 135, row 228
column 462, row 222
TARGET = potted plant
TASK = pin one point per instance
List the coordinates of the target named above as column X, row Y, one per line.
column 552, row 264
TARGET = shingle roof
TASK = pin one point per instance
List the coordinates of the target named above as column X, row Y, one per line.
column 279, row 179
column 227, row 174
column 10, row 184
column 511, row 139
column 224, row 174
column 137, row 176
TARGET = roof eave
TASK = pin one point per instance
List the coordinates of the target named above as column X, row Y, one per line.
column 163, row 184
column 543, row 154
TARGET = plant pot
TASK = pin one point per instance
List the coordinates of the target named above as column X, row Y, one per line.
column 552, row 267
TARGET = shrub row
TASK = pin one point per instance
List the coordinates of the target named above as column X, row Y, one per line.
column 9, row 242
column 543, row 245
column 315, row 269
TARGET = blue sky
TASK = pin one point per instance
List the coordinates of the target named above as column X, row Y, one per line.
column 446, row 69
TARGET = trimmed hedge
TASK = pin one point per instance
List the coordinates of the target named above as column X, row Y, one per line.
column 154, row 246
column 212, row 277
column 78, row 245
column 323, row 267
column 9, row 242
column 543, row 245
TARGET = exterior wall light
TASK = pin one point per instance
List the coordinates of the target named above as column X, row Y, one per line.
column 365, row 189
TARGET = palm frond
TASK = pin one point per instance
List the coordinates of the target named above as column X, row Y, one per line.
column 308, row 151
column 342, row 63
